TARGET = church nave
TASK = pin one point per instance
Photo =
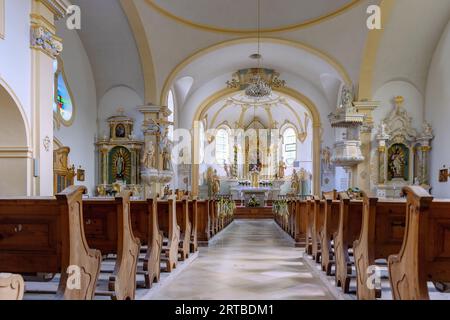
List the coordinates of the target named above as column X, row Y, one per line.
column 251, row 259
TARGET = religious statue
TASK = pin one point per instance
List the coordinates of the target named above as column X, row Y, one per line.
column 346, row 97
column 227, row 168
column 120, row 167
column 149, row 156
column 167, row 159
column 295, row 183
column 281, row 168
column 216, row 183
column 397, row 162
column 326, row 158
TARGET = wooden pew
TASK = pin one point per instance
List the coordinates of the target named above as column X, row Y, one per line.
column 213, row 218
column 182, row 212
column 301, row 221
column 12, row 286
column 330, row 226
column 350, row 220
column 144, row 218
column 203, row 222
column 318, row 218
column 108, row 227
column 46, row 235
column 309, row 225
column 167, row 218
column 382, row 231
column 193, row 217
column 425, row 252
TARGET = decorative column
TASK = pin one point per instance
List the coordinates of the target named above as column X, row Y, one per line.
column 362, row 171
column 424, row 140
column 155, row 129
column 45, row 47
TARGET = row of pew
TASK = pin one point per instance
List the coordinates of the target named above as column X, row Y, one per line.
column 74, row 236
column 353, row 235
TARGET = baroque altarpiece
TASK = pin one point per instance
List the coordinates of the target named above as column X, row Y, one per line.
column 403, row 153
column 119, row 157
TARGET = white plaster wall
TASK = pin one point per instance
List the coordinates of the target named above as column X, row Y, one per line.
column 15, row 52
column 437, row 112
column 120, row 97
column 81, row 134
column 414, row 102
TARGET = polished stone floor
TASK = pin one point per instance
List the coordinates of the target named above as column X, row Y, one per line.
column 250, row 260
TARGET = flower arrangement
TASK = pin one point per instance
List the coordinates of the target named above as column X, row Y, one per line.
column 253, row 203
column 225, row 208
column 280, row 207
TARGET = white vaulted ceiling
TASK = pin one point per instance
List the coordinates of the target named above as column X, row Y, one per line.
column 240, row 15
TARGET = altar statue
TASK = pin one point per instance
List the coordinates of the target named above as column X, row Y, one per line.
column 149, row 157
column 120, row 167
column 167, row 160
column 226, row 167
column 215, row 183
column 295, row 183
column 281, row 168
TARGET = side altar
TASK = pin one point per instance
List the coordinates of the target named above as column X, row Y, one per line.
column 119, row 157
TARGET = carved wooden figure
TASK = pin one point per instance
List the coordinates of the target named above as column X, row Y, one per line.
column 144, row 217
column 46, row 235
column 425, row 252
column 108, row 228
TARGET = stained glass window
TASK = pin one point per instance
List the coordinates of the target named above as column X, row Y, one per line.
column 63, row 104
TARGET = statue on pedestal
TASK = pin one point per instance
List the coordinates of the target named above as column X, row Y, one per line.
column 295, row 183
column 281, row 168
column 216, row 183
column 149, row 156
column 167, row 158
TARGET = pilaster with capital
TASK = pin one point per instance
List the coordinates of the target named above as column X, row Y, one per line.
column 45, row 47
column 362, row 174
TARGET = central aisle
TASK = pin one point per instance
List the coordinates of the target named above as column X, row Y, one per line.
column 250, row 260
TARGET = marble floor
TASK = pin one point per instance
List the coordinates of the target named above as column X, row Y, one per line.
column 250, row 260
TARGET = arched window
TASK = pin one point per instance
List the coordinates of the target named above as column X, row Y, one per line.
column 63, row 106
column 289, row 146
column 222, row 147
column 171, row 106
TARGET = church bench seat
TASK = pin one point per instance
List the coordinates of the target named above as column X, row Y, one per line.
column 144, row 219
column 350, row 219
column 167, row 218
column 46, row 235
column 425, row 253
column 12, row 287
column 330, row 226
column 382, row 231
column 204, row 222
column 108, row 227
column 301, row 220
column 193, row 217
column 182, row 212
column 317, row 225
column 309, row 225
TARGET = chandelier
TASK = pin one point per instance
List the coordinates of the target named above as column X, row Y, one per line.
column 258, row 82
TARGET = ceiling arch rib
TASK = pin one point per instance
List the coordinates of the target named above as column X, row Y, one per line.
column 229, row 56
